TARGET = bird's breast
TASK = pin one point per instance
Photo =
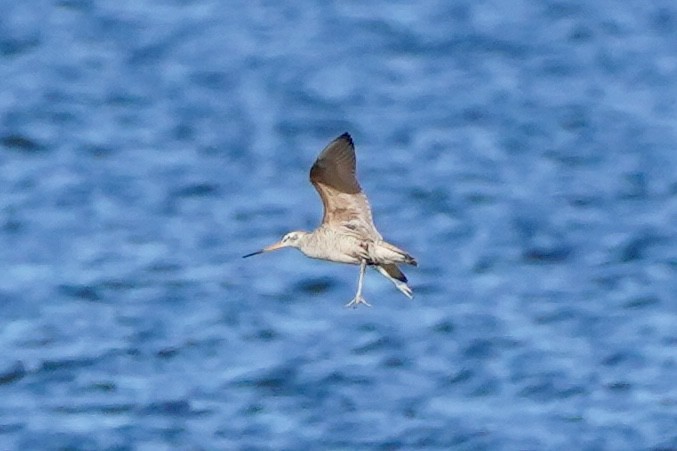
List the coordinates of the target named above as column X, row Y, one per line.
column 335, row 247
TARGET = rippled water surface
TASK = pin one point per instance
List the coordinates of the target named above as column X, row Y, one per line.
column 524, row 152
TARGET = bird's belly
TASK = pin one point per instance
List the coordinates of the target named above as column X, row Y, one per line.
column 337, row 258
column 340, row 249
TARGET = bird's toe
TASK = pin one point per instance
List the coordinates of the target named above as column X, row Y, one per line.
column 357, row 301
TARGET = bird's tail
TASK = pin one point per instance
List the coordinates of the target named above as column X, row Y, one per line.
column 394, row 253
column 393, row 273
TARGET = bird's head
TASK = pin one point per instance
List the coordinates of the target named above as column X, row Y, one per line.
column 292, row 239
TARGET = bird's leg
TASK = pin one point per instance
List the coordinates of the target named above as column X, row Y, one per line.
column 358, row 299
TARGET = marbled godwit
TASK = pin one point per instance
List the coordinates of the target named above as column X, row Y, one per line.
column 347, row 233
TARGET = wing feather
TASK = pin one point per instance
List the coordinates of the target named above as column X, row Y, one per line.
column 334, row 177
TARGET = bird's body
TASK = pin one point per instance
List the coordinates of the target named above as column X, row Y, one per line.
column 326, row 243
column 347, row 233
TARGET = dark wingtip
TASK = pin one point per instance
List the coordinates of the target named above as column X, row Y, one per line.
column 347, row 137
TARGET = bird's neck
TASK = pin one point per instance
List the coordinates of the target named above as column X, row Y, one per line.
column 308, row 244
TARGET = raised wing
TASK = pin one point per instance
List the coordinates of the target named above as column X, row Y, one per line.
column 333, row 175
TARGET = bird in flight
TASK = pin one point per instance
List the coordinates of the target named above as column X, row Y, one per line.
column 347, row 233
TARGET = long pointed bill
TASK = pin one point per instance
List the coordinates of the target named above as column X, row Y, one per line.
column 272, row 247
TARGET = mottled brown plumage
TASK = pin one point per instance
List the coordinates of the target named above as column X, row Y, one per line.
column 333, row 176
column 347, row 233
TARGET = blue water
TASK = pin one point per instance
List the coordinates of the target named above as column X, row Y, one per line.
column 524, row 152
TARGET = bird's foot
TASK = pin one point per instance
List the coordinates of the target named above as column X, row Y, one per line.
column 357, row 300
